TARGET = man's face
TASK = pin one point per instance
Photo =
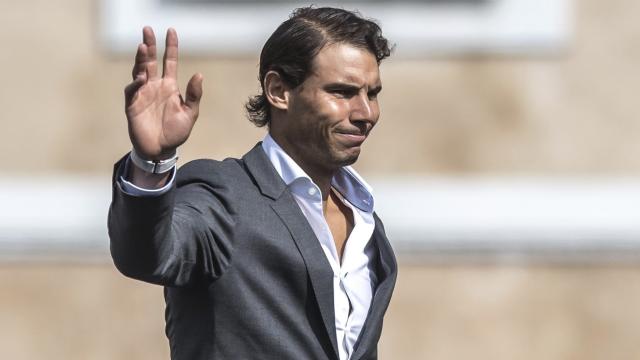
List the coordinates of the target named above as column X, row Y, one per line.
column 334, row 109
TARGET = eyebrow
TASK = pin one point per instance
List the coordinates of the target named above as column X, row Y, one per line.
column 376, row 89
column 347, row 86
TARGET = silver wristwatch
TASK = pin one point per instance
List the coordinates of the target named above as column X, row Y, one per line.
column 153, row 166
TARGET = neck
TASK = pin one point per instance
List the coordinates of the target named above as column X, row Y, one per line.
column 320, row 175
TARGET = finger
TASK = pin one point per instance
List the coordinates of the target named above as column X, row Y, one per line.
column 139, row 66
column 170, row 60
column 194, row 93
column 149, row 39
column 131, row 90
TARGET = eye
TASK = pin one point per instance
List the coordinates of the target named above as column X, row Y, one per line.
column 373, row 94
column 343, row 93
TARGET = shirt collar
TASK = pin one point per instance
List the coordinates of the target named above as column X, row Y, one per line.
column 346, row 181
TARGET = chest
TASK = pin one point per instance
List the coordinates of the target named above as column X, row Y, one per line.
column 340, row 222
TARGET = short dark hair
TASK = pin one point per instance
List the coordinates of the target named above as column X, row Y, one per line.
column 292, row 47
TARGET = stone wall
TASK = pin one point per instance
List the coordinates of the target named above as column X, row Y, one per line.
column 573, row 113
column 570, row 113
column 478, row 312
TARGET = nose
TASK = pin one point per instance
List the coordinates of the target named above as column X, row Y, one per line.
column 364, row 109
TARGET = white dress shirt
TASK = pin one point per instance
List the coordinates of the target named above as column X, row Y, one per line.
column 354, row 279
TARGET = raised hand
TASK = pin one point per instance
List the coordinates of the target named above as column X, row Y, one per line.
column 159, row 118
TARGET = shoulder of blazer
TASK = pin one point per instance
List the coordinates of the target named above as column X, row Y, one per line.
column 254, row 166
column 209, row 171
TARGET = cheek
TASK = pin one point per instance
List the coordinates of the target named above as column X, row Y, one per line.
column 339, row 109
column 331, row 108
column 329, row 113
column 334, row 107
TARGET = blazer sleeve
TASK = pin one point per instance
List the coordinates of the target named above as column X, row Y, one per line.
column 175, row 239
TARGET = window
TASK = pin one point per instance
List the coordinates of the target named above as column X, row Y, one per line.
column 417, row 27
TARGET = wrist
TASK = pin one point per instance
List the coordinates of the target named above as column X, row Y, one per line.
column 153, row 166
column 146, row 180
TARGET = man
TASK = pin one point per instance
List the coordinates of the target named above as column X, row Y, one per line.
column 278, row 255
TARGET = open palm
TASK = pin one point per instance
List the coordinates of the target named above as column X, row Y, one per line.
column 159, row 118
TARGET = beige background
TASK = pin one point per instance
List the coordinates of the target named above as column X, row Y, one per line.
column 573, row 113
column 437, row 313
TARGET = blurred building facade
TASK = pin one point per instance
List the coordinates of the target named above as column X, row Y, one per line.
column 568, row 114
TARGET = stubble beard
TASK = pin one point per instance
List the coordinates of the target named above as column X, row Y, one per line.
column 345, row 159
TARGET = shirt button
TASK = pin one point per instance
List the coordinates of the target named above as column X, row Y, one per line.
column 312, row 191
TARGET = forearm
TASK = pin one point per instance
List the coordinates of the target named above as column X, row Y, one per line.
column 163, row 238
column 144, row 231
column 151, row 240
column 141, row 235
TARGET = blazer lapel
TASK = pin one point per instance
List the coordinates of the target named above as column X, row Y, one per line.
column 373, row 325
column 285, row 206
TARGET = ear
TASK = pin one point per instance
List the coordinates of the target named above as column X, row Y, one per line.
column 276, row 91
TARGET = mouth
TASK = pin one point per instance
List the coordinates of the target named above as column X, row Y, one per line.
column 351, row 139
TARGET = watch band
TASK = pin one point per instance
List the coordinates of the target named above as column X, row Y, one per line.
column 153, row 166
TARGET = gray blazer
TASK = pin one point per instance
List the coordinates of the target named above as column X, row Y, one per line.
column 244, row 275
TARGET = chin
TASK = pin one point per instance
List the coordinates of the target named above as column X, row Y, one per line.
column 347, row 158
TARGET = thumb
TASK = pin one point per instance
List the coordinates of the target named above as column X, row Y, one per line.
column 131, row 90
column 194, row 93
